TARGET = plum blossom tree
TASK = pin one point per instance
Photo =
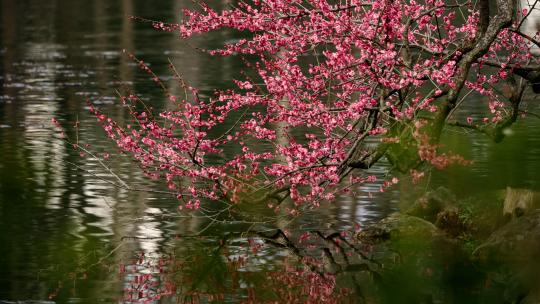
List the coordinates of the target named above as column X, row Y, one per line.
column 335, row 86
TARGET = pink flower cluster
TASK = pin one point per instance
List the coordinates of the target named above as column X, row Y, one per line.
column 337, row 74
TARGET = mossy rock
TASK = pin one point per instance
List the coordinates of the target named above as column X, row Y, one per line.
column 400, row 225
column 510, row 254
column 432, row 203
column 415, row 256
column 515, row 243
column 441, row 208
column 405, row 234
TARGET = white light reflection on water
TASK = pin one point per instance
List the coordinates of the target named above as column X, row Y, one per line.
column 47, row 150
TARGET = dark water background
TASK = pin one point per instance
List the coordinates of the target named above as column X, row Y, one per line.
column 66, row 235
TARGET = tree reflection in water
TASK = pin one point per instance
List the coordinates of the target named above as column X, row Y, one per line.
column 233, row 269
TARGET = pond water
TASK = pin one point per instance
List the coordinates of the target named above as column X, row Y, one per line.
column 68, row 236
